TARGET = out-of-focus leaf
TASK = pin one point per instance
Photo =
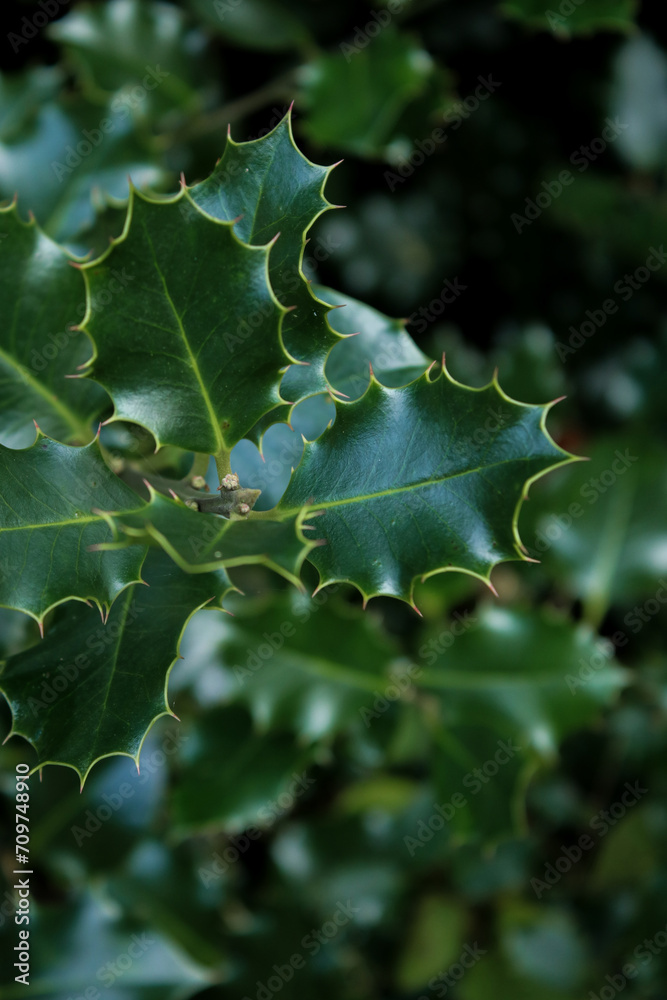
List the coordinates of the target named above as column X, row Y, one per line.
column 304, row 665
column 141, row 45
column 231, row 777
column 598, row 527
column 639, row 101
column 433, row 942
column 253, row 24
column 83, row 946
column 64, row 149
column 355, row 98
column 576, row 19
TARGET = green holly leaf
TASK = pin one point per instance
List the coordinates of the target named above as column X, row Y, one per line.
column 371, row 339
column 421, row 480
column 592, row 16
column 47, row 495
column 269, row 189
column 285, row 682
column 598, row 530
column 91, row 689
column 355, row 97
column 200, row 543
column 169, row 352
column 62, row 149
column 135, row 44
column 254, row 24
column 525, row 680
column 232, row 777
column 43, row 298
column 80, row 942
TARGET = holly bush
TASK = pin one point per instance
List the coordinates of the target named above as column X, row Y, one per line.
column 330, row 646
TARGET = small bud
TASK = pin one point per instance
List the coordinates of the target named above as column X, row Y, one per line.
column 199, row 483
column 192, row 504
column 243, row 508
column 229, row 482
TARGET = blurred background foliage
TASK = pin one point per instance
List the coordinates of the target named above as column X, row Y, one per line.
column 535, row 721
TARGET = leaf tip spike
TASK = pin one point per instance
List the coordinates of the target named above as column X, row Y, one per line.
column 415, row 608
column 492, row 589
column 41, row 628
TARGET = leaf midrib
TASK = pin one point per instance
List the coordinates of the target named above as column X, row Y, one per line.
column 326, row 504
column 215, row 423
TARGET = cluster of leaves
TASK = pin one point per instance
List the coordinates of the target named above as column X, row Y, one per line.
column 417, row 774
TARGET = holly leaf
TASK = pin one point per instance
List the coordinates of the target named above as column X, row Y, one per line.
column 61, row 150
column 43, row 298
column 269, row 188
column 355, row 97
column 370, row 339
column 47, row 494
column 254, row 24
column 421, row 480
column 90, row 690
column 285, row 682
column 168, row 351
column 131, row 43
column 594, row 15
column 232, row 777
column 201, row 543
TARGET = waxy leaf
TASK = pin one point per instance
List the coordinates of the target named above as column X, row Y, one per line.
column 57, row 154
column 200, row 543
column 267, row 187
column 420, row 480
column 171, row 350
column 371, row 339
column 135, row 44
column 43, row 298
column 89, row 690
column 232, row 777
column 306, row 665
column 574, row 19
column 47, row 495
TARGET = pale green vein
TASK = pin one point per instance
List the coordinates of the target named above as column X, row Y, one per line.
column 215, row 423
